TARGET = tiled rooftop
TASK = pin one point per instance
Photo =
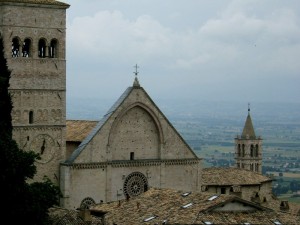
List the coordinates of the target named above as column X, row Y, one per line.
column 77, row 130
column 231, row 176
column 158, row 205
column 61, row 216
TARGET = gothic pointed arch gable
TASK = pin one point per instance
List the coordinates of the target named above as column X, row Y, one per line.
column 109, row 140
column 136, row 133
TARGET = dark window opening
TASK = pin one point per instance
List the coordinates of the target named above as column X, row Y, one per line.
column 239, row 149
column 31, row 117
column 131, row 155
column 53, row 49
column 223, row 190
column 243, row 150
column 252, row 151
column 256, row 150
column 26, row 47
column 42, row 48
column 15, row 48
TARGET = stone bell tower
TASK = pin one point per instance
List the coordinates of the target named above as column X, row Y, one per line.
column 248, row 148
column 34, row 35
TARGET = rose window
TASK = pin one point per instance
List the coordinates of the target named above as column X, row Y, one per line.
column 135, row 184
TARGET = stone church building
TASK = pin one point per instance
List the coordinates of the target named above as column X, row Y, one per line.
column 132, row 148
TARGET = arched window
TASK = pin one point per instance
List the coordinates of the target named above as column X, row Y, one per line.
column 251, row 167
column 252, row 151
column 15, row 48
column 53, row 49
column 42, row 48
column 239, row 150
column 243, row 150
column 26, row 47
column 256, row 150
column 31, row 117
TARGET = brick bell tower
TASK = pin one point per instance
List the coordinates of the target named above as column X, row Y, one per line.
column 34, row 35
column 248, row 148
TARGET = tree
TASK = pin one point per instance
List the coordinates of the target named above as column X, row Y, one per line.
column 22, row 202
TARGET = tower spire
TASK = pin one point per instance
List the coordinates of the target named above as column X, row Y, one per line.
column 248, row 127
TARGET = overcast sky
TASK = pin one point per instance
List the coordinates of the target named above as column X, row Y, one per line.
column 242, row 50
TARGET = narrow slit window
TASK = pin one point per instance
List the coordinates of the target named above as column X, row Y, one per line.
column 31, row 117
column 131, row 155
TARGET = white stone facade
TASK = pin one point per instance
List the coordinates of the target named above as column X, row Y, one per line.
column 132, row 149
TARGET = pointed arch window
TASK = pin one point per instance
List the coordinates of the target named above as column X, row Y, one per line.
column 239, row 150
column 256, row 150
column 15, row 48
column 251, row 167
column 243, row 150
column 53, row 49
column 256, row 167
column 26, row 47
column 42, row 48
column 252, row 151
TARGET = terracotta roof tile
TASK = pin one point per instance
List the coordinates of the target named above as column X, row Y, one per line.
column 157, row 205
column 61, row 216
column 231, row 176
column 77, row 130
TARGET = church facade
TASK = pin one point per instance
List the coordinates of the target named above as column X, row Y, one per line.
column 134, row 147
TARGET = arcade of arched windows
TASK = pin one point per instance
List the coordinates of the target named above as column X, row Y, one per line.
column 254, row 167
column 25, row 48
column 254, row 150
column 241, row 150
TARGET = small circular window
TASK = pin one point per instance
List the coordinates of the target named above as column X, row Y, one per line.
column 135, row 184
